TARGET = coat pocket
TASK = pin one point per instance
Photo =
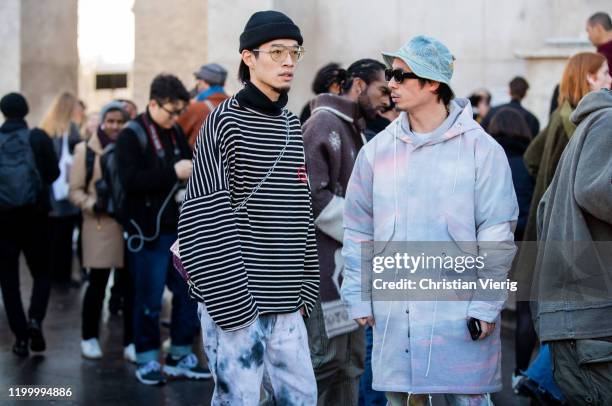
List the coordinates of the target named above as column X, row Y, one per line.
column 383, row 233
column 592, row 351
column 462, row 233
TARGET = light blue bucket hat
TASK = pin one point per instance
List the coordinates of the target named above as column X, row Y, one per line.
column 427, row 57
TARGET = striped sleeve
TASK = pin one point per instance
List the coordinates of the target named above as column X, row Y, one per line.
column 310, row 285
column 209, row 239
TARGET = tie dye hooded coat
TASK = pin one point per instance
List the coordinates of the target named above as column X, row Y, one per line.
column 455, row 185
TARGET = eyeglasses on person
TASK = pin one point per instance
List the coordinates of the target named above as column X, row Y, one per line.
column 279, row 53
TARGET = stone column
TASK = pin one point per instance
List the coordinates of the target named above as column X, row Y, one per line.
column 10, row 46
column 49, row 59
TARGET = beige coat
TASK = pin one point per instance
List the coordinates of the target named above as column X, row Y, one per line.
column 102, row 239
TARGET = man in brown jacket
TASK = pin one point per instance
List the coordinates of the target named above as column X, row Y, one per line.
column 210, row 80
column 333, row 136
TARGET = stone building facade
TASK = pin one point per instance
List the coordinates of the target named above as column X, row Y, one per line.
column 492, row 41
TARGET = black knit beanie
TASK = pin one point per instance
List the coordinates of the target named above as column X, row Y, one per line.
column 264, row 26
column 14, row 105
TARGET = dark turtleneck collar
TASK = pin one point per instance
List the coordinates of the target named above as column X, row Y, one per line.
column 103, row 138
column 250, row 96
column 13, row 124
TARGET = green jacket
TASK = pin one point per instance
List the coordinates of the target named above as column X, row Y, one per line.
column 541, row 159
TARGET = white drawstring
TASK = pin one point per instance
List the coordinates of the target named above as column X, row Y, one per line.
column 431, row 337
column 430, row 403
column 488, row 395
column 457, row 163
column 433, row 324
column 384, row 337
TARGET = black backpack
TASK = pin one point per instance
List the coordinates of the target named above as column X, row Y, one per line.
column 110, row 185
column 19, row 178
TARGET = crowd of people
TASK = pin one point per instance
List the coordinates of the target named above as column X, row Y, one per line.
column 256, row 220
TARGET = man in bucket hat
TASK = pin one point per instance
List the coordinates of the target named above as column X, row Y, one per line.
column 246, row 232
column 432, row 175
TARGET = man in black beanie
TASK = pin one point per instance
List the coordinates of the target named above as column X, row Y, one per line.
column 28, row 165
column 246, row 230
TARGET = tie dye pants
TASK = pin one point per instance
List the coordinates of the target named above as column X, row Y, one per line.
column 274, row 349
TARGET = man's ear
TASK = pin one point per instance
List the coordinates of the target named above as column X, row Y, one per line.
column 434, row 86
column 152, row 103
column 247, row 58
column 359, row 85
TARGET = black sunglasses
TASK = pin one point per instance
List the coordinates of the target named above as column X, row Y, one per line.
column 399, row 75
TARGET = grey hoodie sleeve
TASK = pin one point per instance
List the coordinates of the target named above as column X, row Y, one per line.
column 593, row 182
column 358, row 236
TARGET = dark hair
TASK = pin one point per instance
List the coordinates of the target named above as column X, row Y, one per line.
column 487, row 95
column 444, row 92
column 602, row 19
column 509, row 122
column 327, row 76
column 168, row 88
column 364, row 69
column 244, row 74
column 518, row 87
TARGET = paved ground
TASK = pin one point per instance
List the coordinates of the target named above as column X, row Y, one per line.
column 111, row 381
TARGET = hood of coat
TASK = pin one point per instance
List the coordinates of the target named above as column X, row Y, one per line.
column 590, row 103
column 511, row 144
column 459, row 121
column 341, row 107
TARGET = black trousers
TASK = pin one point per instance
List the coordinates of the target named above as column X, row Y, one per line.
column 60, row 247
column 525, row 335
column 24, row 230
column 94, row 301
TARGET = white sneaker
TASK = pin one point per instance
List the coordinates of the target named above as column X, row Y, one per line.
column 129, row 353
column 91, row 349
column 166, row 345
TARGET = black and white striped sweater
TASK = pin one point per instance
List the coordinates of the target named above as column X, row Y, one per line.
column 260, row 258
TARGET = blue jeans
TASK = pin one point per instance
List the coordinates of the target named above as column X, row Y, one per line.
column 367, row 395
column 151, row 270
column 541, row 371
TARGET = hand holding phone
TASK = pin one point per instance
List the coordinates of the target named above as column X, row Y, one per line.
column 474, row 328
column 479, row 330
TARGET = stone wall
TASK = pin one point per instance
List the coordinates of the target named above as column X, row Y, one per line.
column 486, row 38
column 492, row 41
column 170, row 37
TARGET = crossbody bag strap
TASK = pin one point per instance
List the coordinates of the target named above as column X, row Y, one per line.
column 267, row 175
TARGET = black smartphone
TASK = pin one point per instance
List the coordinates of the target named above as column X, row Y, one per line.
column 474, row 328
